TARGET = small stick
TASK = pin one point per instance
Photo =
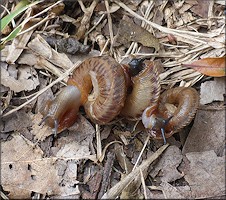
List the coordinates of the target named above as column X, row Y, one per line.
column 109, row 22
column 117, row 189
column 107, row 173
column 99, row 146
column 143, row 184
column 145, row 144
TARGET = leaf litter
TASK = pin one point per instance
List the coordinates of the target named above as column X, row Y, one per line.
column 123, row 162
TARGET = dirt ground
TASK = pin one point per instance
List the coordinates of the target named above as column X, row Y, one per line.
column 44, row 42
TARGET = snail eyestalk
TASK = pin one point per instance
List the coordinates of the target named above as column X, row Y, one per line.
column 162, row 124
column 163, row 135
column 43, row 119
column 55, row 128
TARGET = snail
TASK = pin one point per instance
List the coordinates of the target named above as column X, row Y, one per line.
column 99, row 84
column 175, row 109
column 107, row 89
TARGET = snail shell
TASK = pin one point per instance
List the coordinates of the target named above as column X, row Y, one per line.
column 179, row 105
column 101, row 81
column 145, row 92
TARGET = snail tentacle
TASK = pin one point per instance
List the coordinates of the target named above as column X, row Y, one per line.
column 163, row 135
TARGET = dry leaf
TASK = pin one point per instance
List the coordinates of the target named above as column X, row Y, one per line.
column 207, row 133
column 171, row 192
column 201, row 8
column 58, row 9
column 73, row 150
column 28, row 58
column 212, row 91
column 24, row 171
column 205, row 173
column 40, row 131
column 209, row 66
column 18, row 44
column 129, row 31
column 42, row 48
column 94, row 184
column 17, row 122
column 168, row 164
column 23, row 78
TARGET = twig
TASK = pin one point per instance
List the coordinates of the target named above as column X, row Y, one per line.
column 107, row 173
column 99, row 146
column 86, row 18
column 109, row 22
column 37, row 24
column 181, row 33
column 117, row 189
column 138, row 159
column 143, row 184
column 90, row 30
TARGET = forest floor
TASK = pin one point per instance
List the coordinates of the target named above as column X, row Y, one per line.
column 44, row 41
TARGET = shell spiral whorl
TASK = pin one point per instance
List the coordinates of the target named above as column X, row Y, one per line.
column 145, row 92
column 103, row 89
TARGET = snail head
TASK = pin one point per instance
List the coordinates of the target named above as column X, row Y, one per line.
column 61, row 112
column 135, row 66
column 155, row 123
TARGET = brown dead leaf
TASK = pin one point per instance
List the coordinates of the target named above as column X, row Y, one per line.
column 24, row 170
column 18, row 44
column 41, row 132
column 58, row 9
column 212, row 91
column 167, row 166
column 42, row 48
column 205, row 173
column 6, row 96
column 82, row 131
column 171, row 192
column 67, row 170
column 209, row 66
column 155, row 193
column 23, row 78
column 207, row 133
column 201, row 8
column 16, row 122
column 94, row 184
column 73, row 150
column 28, row 58
column 158, row 17
column 129, row 31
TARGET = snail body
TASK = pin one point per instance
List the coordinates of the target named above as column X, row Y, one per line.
column 175, row 110
column 102, row 86
column 145, row 92
column 98, row 84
